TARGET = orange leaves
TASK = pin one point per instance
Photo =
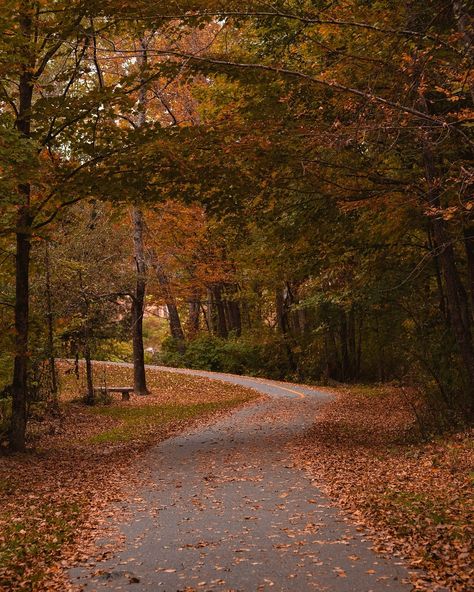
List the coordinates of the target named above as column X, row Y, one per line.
column 55, row 503
column 416, row 498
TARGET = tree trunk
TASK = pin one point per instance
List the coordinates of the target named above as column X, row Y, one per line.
column 20, row 365
column 351, row 342
column 469, row 248
column 193, row 318
column 343, row 334
column 439, row 280
column 457, row 301
column 23, row 245
column 463, row 18
column 176, row 328
column 138, row 305
column 50, row 324
column 281, row 306
column 233, row 316
column 138, row 299
column 90, row 395
column 222, row 330
column 456, row 297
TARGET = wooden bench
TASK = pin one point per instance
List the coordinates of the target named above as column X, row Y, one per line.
column 123, row 390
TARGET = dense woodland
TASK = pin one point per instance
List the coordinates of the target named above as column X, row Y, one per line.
column 290, row 181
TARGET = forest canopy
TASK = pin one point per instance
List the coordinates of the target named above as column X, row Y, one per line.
column 277, row 188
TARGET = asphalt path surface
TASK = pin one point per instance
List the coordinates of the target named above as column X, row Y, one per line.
column 227, row 510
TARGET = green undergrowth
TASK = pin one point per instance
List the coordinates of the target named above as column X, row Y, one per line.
column 409, row 513
column 138, row 423
column 30, row 544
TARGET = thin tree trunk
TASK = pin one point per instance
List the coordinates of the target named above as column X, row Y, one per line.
column 50, row 324
column 343, row 335
column 138, row 300
column 351, row 342
column 90, row 398
column 176, row 328
column 232, row 307
column 211, row 312
column 138, row 305
column 193, row 319
column 222, row 330
column 284, row 326
column 439, row 280
column 23, row 245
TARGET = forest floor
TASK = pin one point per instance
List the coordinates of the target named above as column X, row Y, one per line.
column 416, row 496
column 54, row 498
column 363, row 450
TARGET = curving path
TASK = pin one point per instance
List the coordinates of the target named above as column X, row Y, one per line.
column 227, row 511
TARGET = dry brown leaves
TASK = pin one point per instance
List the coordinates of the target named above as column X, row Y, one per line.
column 415, row 498
column 57, row 497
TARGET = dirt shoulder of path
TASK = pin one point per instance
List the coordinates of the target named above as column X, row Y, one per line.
column 416, row 498
column 56, row 499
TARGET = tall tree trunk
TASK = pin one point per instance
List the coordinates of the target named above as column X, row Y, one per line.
column 456, row 296
column 343, row 334
column 464, row 22
column 469, row 248
column 176, row 328
column 20, row 365
column 232, row 307
column 23, row 245
column 281, row 306
column 222, row 330
column 439, row 279
column 192, row 324
column 351, row 342
column 211, row 312
column 138, row 305
column 138, row 300
column 50, row 325
column 89, row 398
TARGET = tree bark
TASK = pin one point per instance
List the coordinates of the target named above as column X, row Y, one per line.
column 464, row 21
column 282, row 314
column 23, row 246
column 176, row 328
column 343, row 333
column 90, row 395
column 50, row 325
column 233, row 316
column 222, row 330
column 20, row 365
column 192, row 325
column 138, row 300
column 456, row 297
column 138, row 305
column 469, row 248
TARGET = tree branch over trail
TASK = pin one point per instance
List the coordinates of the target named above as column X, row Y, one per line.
column 308, row 77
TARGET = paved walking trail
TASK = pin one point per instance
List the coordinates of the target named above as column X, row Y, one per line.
column 228, row 511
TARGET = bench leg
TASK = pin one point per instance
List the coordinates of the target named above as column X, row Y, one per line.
column 125, row 396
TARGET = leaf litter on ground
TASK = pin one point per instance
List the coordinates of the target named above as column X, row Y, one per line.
column 415, row 497
column 56, row 498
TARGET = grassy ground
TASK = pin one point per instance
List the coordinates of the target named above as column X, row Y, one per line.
column 416, row 496
column 53, row 498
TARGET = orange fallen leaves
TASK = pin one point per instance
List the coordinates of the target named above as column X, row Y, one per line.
column 415, row 498
column 55, row 501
